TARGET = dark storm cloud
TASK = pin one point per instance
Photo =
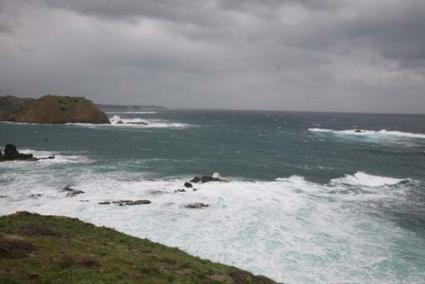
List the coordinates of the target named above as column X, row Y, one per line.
column 396, row 32
column 345, row 55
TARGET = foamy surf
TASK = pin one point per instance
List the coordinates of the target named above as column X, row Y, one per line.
column 58, row 158
column 373, row 133
column 364, row 179
column 131, row 112
column 292, row 230
column 119, row 122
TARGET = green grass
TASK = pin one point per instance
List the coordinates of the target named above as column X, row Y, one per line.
column 53, row 249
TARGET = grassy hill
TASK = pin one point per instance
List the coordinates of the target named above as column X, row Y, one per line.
column 53, row 249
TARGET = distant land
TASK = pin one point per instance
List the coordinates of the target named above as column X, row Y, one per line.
column 109, row 107
column 50, row 109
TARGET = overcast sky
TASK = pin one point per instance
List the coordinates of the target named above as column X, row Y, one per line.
column 321, row 55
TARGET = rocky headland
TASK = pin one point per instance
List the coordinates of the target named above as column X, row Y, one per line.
column 53, row 249
column 51, row 109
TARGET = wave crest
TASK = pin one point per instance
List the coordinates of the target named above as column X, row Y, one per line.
column 363, row 179
column 376, row 133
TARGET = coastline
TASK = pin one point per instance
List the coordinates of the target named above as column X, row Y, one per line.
column 38, row 248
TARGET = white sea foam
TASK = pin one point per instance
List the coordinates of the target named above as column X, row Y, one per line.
column 59, row 158
column 290, row 229
column 132, row 112
column 118, row 121
column 361, row 178
column 373, row 133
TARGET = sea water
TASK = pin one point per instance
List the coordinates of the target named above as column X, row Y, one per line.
column 310, row 197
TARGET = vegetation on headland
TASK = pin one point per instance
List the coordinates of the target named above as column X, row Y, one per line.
column 54, row 249
column 51, row 109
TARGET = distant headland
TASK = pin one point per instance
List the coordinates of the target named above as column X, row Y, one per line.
column 51, row 109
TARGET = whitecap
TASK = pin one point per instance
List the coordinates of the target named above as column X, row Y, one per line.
column 119, row 122
column 373, row 133
column 59, row 158
column 288, row 229
column 364, row 179
column 132, row 112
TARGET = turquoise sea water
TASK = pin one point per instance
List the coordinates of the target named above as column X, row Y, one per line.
column 311, row 197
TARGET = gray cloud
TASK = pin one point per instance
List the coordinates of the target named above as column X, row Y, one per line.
column 328, row 55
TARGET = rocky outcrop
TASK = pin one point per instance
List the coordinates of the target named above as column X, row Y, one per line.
column 204, row 179
column 126, row 202
column 196, row 205
column 54, row 109
column 11, row 154
column 72, row 192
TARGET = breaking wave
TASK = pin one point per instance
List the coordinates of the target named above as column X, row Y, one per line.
column 118, row 121
column 58, row 158
column 291, row 229
column 132, row 112
column 363, row 179
column 374, row 133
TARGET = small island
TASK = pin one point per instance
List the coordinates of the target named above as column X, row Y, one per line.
column 46, row 249
column 51, row 109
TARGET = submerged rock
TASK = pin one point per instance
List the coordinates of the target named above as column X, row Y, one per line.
column 126, row 202
column 72, row 192
column 196, row 205
column 204, row 179
column 187, row 184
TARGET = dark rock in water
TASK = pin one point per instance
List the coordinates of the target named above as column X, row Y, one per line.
column 126, row 202
column 46, row 158
column 180, row 190
column 11, row 154
column 195, row 189
column 67, row 188
column 358, row 131
column 138, row 202
column 72, row 192
column 204, row 179
column 187, row 184
column 195, row 179
column 157, row 192
column 36, row 195
column 197, row 205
